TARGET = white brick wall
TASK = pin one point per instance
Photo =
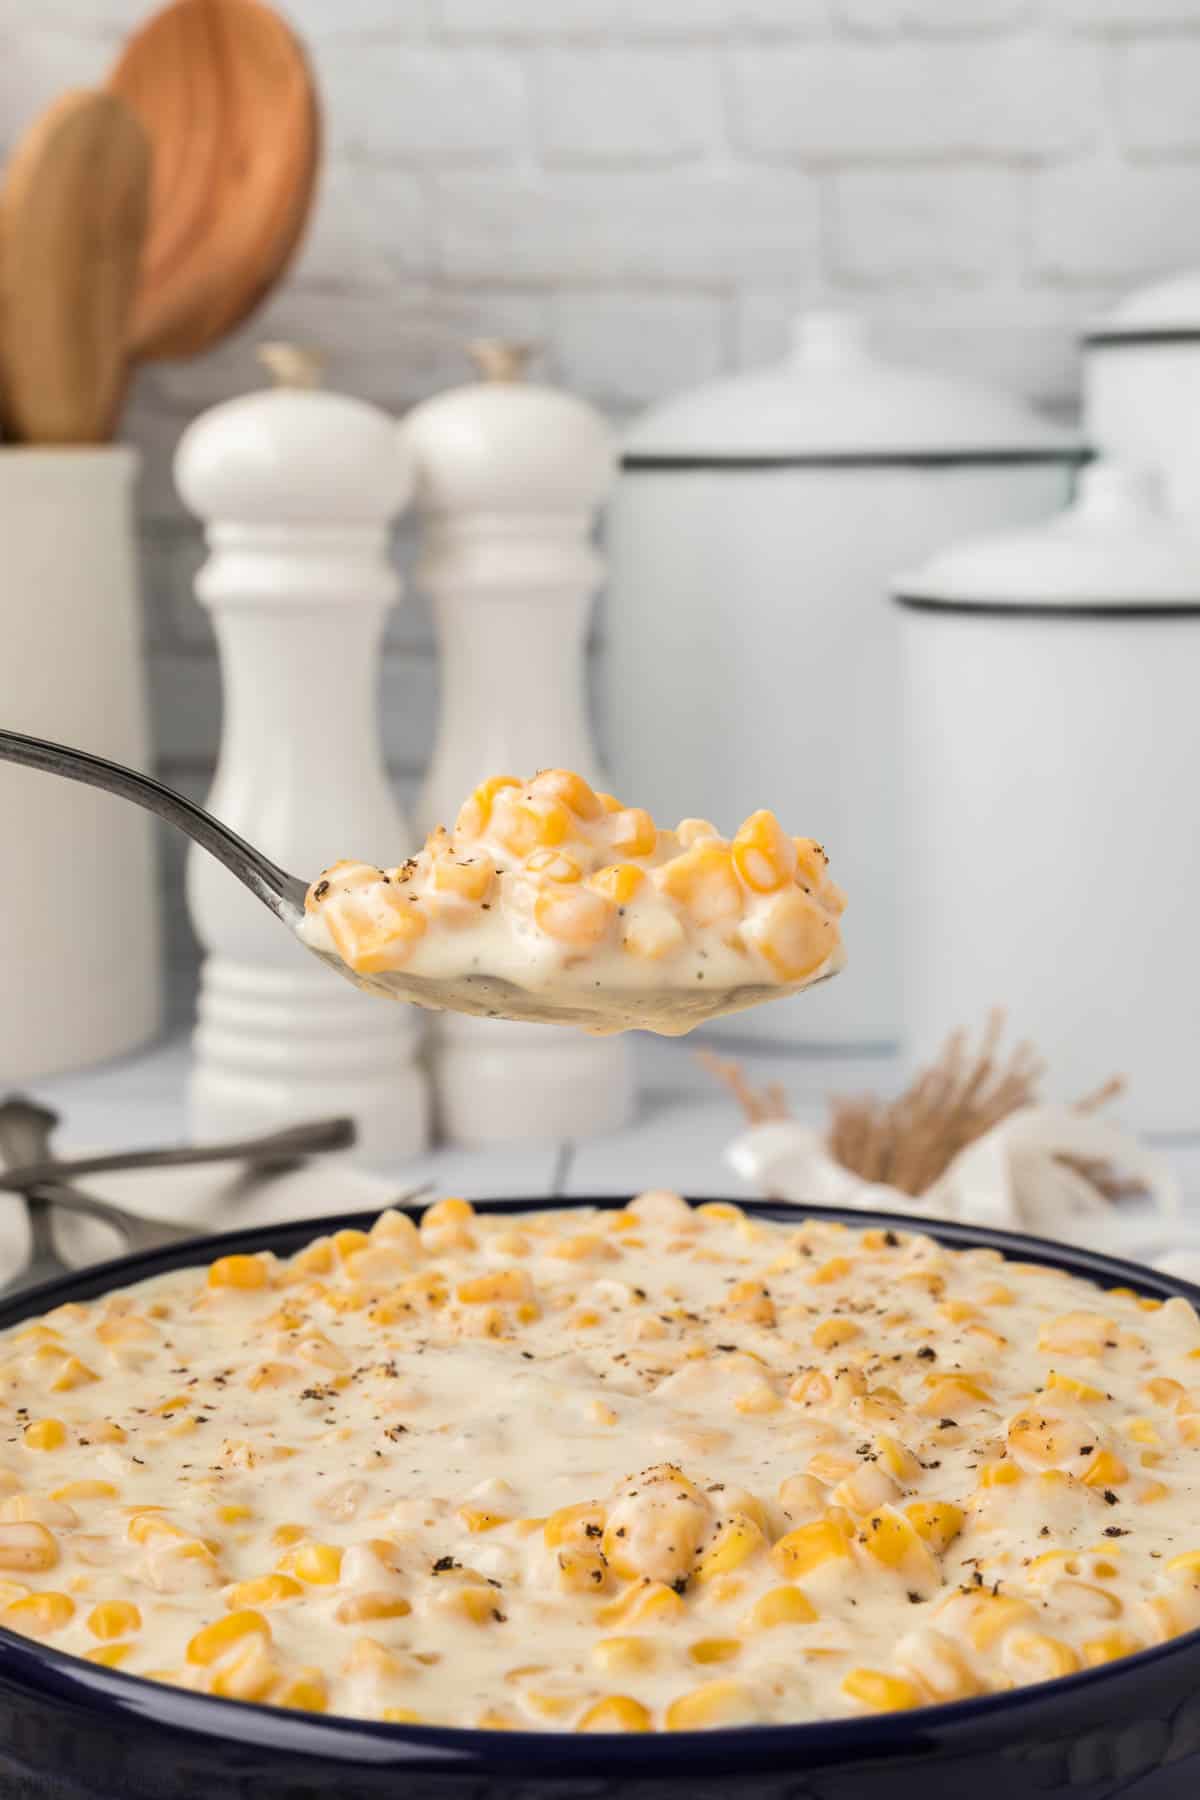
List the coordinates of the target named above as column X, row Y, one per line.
column 648, row 189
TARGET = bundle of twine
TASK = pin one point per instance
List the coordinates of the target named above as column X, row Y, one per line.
column 907, row 1143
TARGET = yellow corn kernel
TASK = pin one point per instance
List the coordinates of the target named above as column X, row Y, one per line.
column 835, row 1268
column 880, row 1692
column 763, row 855
column 401, row 1715
column 85, row 1490
column 1109, row 1646
column 554, row 865
column 476, row 813
column 938, row 1522
column 109, row 1656
column 577, row 916
column 249, row 1672
column 950, row 1394
column 357, row 1609
column 305, row 1690
column 285, row 1535
column 114, row 1619
column 478, row 1604
column 1068, row 1385
column 715, row 1650
column 147, row 1522
column 617, row 1712
column 808, row 1546
column 470, row 877
column 480, row 1518
column 37, row 1615
column 958, row 1311
column 1076, row 1334
column 262, row 1590
column 238, row 1272
column 737, row 1538
column 27, row 1546
column 653, row 936
column 796, row 934
column 899, row 1462
column 1033, row 1656
column 315, row 1259
column 319, row 1565
column 781, row 1606
column 714, row 1703
column 379, row 936
column 633, row 831
column 73, row 1374
column 1105, row 1470
column 571, row 789
column 500, row 1284
column 581, row 1571
column 1151, row 1491
column 214, row 1641
column 751, row 1301
column 703, row 881
column 992, row 1615
column 645, row 1602
column 623, row 1653
column 574, row 1524
column 45, row 1434
column 894, row 1541
column 107, row 1431
column 618, row 882
column 832, row 1332
column 1141, row 1431
column 1001, row 1473
column 523, row 825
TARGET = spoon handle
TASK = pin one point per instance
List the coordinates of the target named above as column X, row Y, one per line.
column 279, row 1147
column 279, row 891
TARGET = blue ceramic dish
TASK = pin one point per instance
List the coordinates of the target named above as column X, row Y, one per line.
column 70, row 1730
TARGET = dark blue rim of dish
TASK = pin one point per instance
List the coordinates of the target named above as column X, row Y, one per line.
column 71, row 1681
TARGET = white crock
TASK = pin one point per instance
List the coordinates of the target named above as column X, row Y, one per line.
column 1049, row 819
column 80, row 976
column 752, row 657
column 1141, row 383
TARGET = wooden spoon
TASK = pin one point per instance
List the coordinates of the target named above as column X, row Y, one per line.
column 224, row 92
column 72, row 219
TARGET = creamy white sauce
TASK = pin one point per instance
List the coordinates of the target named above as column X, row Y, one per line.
column 661, row 959
column 660, row 1365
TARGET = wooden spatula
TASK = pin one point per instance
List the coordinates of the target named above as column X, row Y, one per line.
column 72, row 224
column 223, row 90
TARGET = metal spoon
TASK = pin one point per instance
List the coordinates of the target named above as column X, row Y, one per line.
column 673, row 1010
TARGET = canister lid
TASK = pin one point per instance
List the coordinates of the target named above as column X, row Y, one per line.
column 1112, row 551
column 1166, row 312
column 835, row 402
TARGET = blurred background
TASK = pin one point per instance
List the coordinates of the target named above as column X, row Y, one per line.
column 650, row 189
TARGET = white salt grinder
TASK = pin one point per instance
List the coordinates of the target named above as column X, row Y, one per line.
column 509, row 475
column 298, row 489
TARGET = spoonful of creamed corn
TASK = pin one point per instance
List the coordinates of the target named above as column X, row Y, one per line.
column 547, row 902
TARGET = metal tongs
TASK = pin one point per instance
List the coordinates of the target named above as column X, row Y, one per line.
column 29, row 1169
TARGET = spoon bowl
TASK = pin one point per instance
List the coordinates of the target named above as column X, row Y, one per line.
column 595, row 1008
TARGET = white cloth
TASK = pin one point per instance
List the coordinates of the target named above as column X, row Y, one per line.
column 1011, row 1178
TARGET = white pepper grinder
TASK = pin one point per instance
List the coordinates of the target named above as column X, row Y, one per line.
column 509, row 475
column 298, row 489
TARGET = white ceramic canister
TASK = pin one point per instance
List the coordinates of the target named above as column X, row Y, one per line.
column 752, row 657
column 80, row 973
column 509, row 474
column 298, row 490
column 1141, row 383
column 1050, row 828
